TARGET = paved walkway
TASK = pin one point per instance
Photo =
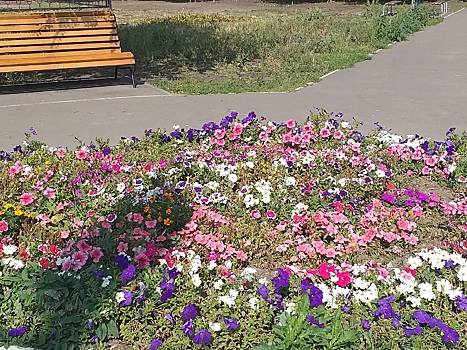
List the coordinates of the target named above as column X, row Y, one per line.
column 416, row 86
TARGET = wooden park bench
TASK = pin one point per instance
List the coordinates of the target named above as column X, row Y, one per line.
column 61, row 40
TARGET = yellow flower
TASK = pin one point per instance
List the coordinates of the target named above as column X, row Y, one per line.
column 168, row 211
column 8, row 206
column 167, row 222
column 2, row 212
column 47, row 162
column 18, row 212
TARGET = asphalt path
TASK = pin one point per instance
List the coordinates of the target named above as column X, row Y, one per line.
column 418, row 86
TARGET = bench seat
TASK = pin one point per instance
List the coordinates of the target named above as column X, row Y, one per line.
column 61, row 40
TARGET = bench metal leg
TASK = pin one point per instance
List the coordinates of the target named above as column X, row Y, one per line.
column 132, row 73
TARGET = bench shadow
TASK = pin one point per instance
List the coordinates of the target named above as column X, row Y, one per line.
column 65, row 85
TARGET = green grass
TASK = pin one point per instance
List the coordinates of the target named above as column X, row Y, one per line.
column 271, row 51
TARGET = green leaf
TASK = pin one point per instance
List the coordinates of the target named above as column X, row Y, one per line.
column 101, row 331
column 112, row 328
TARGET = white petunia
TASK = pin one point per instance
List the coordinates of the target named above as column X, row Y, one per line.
column 414, row 262
column 290, row 181
column 215, row 326
column 196, row 280
column 253, row 302
column 290, row 308
column 462, row 273
column 106, row 281
column 120, row 296
column 218, row 284
column 414, row 301
column 426, row 291
column 9, row 249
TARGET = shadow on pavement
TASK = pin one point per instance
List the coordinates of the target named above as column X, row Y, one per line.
column 64, row 85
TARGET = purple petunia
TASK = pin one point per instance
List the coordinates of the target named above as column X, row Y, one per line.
column 461, row 303
column 413, row 331
column 168, row 316
column 121, row 261
column 388, row 198
column 17, row 332
column 190, row 312
column 155, row 343
column 316, row 296
column 230, row 323
column 450, row 335
column 94, row 339
column 281, row 280
column 366, row 325
column 263, row 291
column 313, row 320
column 128, row 273
column 422, row 316
column 187, row 328
column 202, row 337
column 91, row 324
column 128, row 298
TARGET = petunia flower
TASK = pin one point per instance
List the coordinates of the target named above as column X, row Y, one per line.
column 189, row 313
column 187, row 328
column 366, row 325
column 202, row 337
column 128, row 298
column 155, row 343
column 128, row 273
column 121, row 261
column 17, row 332
column 422, row 316
column 230, row 323
column 263, row 291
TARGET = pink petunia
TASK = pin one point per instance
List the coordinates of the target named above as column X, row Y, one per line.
column 150, row 224
column 82, row 154
column 83, row 246
column 290, row 123
column 3, row 226
column 26, row 198
column 255, row 214
column 142, row 260
column 49, row 193
column 96, row 254
column 325, row 132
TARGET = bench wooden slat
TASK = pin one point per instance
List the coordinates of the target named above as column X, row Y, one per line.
column 47, row 27
column 4, row 59
column 52, row 60
column 58, row 40
column 13, row 16
column 55, row 34
column 55, row 66
column 50, row 20
column 69, row 47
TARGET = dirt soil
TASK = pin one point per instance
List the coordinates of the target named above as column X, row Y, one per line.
column 246, row 6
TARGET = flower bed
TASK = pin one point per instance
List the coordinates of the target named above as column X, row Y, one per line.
column 244, row 234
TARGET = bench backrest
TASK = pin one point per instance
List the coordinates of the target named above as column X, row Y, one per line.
column 22, row 33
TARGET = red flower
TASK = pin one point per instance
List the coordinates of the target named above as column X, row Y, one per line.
column 3, row 226
column 44, row 262
column 325, row 270
column 339, row 207
column 389, row 186
column 344, row 279
column 412, row 272
column 54, row 250
column 23, row 254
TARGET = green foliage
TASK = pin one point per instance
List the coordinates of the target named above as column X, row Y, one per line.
column 267, row 52
column 296, row 333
